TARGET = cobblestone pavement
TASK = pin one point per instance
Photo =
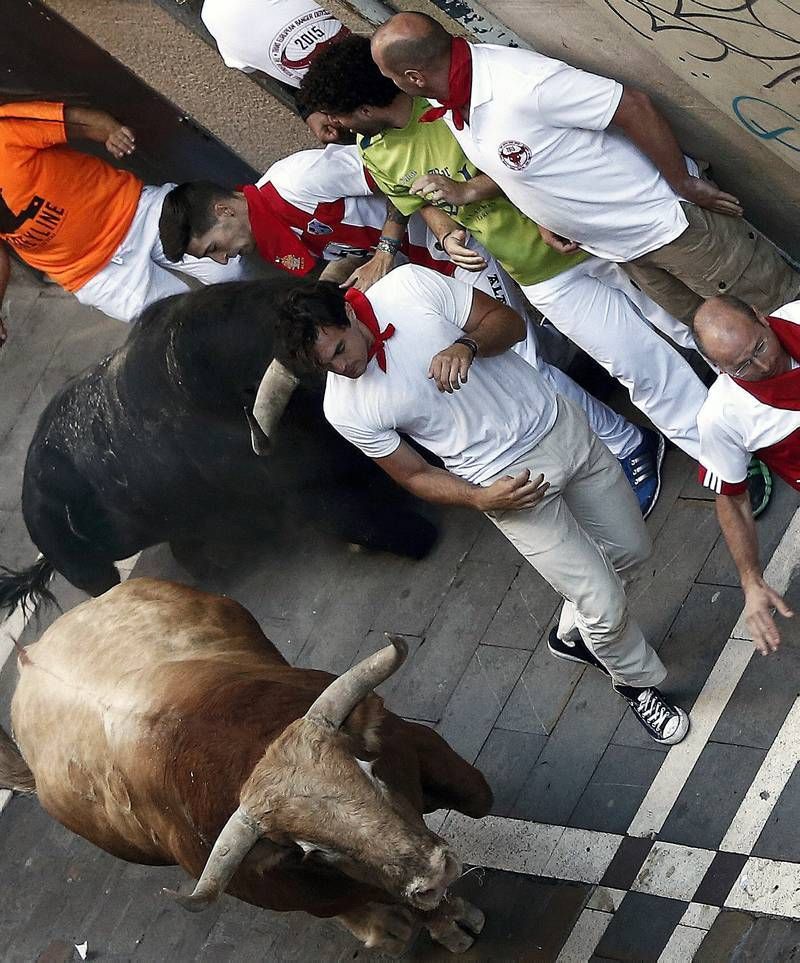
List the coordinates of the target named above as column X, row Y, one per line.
column 601, row 845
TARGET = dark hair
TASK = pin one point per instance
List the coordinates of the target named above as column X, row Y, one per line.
column 343, row 78
column 302, row 313
column 187, row 212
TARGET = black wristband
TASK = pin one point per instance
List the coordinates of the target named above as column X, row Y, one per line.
column 472, row 345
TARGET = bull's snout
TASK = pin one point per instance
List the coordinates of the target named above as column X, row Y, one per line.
column 427, row 893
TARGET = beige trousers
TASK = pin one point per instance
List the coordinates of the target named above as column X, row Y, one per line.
column 716, row 254
column 585, row 537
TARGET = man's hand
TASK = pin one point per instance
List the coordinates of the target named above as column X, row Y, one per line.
column 454, row 246
column 557, row 242
column 438, row 189
column 708, row 195
column 450, row 368
column 368, row 273
column 512, row 493
column 760, row 605
column 121, row 141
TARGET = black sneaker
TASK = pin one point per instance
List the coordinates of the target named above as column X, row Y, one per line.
column 573, row 651
column 664, row 722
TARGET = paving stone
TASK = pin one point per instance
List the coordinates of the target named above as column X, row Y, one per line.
column 761, row 700
column 616, row 789
column 542, row 693
column 768, row 939
column 506, row 759
column 576, row 745
column 719, row 568
column 689, row 652
column 480, row 696
column 725, row 936
column 524, row 613
column 640, row 928
column 676, row 468
column 628, row 860
column 399, row 692
column 711, row 796
column 780, row 839
column 719, row 878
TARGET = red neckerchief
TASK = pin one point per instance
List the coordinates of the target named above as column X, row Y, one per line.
column 459, row 85
column 782, row 391
column 277, row 243
column 365, row 314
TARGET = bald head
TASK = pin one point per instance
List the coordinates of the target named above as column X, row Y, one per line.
column 413, row 50
column 738, row 339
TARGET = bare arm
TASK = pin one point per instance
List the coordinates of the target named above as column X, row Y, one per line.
column 5, row 274
column 492, row 326
column 646, row 126
column 739, row 528
column 439, row 189
column 381, row 262
column 410, row 470
column 86, row 123
column 452, row 238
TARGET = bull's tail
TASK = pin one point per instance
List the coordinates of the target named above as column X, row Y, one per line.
column 14, row 771
column 27, row 588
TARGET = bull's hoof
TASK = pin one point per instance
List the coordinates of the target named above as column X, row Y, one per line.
column 388, row 928
column 456, row 924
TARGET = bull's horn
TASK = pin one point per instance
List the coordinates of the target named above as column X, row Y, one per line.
column 238, row 836
column 336, row 703
column 272, row 398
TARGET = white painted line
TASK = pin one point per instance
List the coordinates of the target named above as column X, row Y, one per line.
column 673, row 871
column 700, row 915
column 435, row 820
column 682, row 945
column 606, row 898
column 767, row 886
column 778, row 572
column 586, row 934
column 765, row 789
column 582, row 855
column 680, row 761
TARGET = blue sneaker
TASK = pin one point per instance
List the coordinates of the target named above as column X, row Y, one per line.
column 643, row 469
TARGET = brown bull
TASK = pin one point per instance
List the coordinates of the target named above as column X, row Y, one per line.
column 160, row 723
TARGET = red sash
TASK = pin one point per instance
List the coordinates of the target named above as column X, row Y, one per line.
column 459, row 85
column 271, row 222
column 365, row 313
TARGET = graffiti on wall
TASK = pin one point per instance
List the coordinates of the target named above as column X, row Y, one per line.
column 743, row 55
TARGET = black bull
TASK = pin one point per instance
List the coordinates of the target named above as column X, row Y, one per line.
column 153, row 442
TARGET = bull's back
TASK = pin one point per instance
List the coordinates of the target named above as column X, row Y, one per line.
column 106, row 696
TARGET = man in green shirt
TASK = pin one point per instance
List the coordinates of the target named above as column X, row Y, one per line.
column 589, row 300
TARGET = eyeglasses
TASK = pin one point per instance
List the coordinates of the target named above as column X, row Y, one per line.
column 758, row 351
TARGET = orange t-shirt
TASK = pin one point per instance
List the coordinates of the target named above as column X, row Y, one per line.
column 64, row 212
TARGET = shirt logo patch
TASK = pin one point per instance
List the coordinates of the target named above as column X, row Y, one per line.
column 317, row 227
column 290, row 262
column 515, row 154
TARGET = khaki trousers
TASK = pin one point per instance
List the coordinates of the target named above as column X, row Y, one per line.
column 585, row 537
column 716, row 254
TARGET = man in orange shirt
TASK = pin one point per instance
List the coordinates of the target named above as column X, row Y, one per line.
column 90, row 227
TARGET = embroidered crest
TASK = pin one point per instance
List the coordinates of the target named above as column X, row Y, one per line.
column 317, row 227
column 515, row 154
column 290, row 262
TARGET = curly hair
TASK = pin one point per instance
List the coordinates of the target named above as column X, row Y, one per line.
column 343, row 78
column 187, row 212
column 300, row 316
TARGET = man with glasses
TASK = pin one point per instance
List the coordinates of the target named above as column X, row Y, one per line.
column 753, row 407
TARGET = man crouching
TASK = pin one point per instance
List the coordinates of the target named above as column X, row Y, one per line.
column 427, row 356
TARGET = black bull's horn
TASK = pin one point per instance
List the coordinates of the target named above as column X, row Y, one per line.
column 272, row 398
column 331, row 708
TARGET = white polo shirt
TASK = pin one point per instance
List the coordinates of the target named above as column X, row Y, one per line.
column 733, row 424
column 498, row 416
column 278, row 37
column 539, row 128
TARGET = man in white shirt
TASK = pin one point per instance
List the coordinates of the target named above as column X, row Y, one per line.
column 278, row 37
column 753, row 407
column 427, row 356
column 593, row 163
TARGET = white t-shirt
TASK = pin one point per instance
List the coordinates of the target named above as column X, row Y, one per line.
column 539, row 128
column 278, row 37
column 732, row 424
column 504, row 409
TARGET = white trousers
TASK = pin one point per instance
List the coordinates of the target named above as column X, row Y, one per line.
column 586, row 537
column 139, row 273
column 619, row 435
column 596, row 306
